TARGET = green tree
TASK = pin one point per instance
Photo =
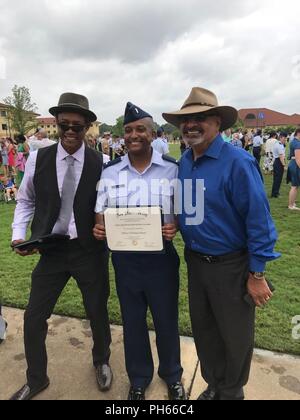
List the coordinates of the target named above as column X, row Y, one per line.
column 169, row 129
column 21, row 111
column 289, row 129
column 104, row 128
column 118, row 129
column 239, row 125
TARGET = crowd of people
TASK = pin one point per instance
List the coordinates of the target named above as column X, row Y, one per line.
column 226, row 253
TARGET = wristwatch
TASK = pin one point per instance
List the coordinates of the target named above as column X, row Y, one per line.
column 258, row 275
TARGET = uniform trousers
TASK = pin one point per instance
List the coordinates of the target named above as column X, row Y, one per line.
column 145, row 282
column 222, row 321
column 278, row 177
column 89, row 267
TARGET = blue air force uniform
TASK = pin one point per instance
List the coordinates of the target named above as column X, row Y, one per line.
column 146, row 281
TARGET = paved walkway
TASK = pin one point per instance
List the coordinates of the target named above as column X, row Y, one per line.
column 274, row 377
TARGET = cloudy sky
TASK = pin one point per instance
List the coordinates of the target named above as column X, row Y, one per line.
column 152, row 52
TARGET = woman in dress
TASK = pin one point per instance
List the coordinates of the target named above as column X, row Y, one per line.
column 11, row 156
column 4, row 155
column 294, row 170
column 20, row 161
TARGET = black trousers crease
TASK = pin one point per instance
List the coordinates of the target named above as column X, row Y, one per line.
column 89, row 268
column 223, row 323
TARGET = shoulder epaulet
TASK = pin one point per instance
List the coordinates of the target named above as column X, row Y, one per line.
column 112, row 163
column 170, row 159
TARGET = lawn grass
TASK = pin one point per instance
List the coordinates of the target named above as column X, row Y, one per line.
column 274, row 324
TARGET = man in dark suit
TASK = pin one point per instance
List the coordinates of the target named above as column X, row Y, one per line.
column 59, row 192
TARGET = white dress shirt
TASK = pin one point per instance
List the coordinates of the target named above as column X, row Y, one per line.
column 160, row 146
column 26, row 195
column 35, row 144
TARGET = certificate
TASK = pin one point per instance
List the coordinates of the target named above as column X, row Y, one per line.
column 134, row 229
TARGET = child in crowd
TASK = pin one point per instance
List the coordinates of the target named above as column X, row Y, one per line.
column 10, row 189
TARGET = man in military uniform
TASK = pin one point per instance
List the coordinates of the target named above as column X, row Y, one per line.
column 145, row 280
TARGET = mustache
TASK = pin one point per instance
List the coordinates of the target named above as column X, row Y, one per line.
column 193, row 130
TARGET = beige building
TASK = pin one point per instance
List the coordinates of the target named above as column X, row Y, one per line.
column 4, row 123
column 49, row 124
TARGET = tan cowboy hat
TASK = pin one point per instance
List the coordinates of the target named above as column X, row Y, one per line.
column 202, row 100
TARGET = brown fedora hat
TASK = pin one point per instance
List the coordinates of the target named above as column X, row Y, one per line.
column 72, row 102
column 202, row 100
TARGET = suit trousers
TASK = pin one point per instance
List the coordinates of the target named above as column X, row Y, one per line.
column 149, row 282
column 223, row 322
column 257, row 154
column 89, row 267
column 278, row 173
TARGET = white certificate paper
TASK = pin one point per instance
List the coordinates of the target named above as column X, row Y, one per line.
column 134, row 229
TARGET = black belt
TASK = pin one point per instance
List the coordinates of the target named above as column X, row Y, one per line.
column 214, row 259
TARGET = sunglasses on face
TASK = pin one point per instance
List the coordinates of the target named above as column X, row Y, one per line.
column 76, row 128
column 198, row 118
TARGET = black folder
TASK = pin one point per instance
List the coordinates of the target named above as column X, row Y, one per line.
column 45, row 242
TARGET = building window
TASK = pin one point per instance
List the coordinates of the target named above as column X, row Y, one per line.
column 48, row 126
column 4, row 127
column 3, row 114
column 251, row 117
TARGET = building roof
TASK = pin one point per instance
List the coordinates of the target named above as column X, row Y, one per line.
column 46, row 120
column 263, row 117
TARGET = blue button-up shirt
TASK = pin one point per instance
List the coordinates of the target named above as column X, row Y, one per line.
column 236, row 209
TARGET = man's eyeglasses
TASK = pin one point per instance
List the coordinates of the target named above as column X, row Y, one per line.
column 76, row 128
column 198, row 117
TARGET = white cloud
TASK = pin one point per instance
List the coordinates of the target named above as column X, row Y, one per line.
column 152, row 52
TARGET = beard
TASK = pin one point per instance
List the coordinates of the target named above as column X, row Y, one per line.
column 195, row 140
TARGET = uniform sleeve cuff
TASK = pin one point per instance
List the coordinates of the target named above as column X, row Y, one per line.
column 257, row 265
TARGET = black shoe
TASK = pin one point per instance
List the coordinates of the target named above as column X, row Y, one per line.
column 26, row 393
column 104, row 377
column 209, row 395
column 176, row 392
column 136, row 394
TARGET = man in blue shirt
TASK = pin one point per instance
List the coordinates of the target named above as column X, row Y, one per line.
column 145, row 280
column 228, row 248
